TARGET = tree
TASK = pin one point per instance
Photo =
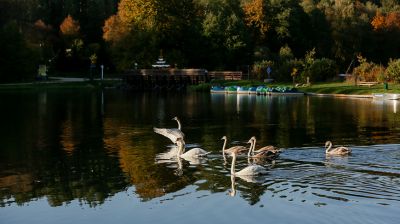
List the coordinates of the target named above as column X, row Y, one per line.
column 226, row 33
column 70, row 27
column 17, row 60
column 255, row 16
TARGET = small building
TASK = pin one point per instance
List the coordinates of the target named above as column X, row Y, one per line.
column 160, row 63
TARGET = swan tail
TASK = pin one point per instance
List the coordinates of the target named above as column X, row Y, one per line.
column 205, row 154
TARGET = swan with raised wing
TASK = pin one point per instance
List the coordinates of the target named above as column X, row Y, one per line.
column 251, row 170
column 231, row 149
column 339, row 151
column 269, row 152
column 192, row 153
column 172, row 133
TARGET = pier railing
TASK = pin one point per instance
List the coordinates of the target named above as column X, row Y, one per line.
column 226, row 75
column 155, row 79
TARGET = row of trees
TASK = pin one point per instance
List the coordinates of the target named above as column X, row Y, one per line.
column 212, row 34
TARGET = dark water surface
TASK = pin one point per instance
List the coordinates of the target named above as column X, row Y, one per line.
column 92, row 157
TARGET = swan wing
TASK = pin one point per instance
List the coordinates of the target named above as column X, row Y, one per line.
column 172, row 133
column 267, row 148
column 195, row 153
column 252, row 170
column 234, row 149
column 267, row 154
column 341, row 150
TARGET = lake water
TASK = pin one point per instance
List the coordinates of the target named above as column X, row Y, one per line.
column 84, row 156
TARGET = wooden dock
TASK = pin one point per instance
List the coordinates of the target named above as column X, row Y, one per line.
column 173, row 79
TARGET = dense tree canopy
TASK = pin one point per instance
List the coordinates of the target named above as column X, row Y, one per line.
column 211, row 34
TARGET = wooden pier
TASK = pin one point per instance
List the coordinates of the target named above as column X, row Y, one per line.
column 172, row 79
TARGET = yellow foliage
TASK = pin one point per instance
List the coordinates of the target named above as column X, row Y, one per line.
column 113, row 29
column 254, row 15
column 140, row 12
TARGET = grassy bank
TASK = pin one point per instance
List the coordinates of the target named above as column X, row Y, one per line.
column 325, row 88
column 349, row 88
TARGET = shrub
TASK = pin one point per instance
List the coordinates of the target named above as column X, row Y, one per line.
column 285, row 70
column 368, row 71
column 260, row 68
column 320, row 70
column 393, row 70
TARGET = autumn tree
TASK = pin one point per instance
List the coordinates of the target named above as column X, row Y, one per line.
column 70, row 27
column 255, row 16
column 146, row 27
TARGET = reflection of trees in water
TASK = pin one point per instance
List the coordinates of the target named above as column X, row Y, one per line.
column 136, row 151
column 65, row 150
column 66, row 160
column 297, row 121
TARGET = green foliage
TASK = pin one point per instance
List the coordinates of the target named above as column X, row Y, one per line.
column 320, row 70
column 393, row 70
column 259, row 68
column 285, row 53
column 211, row 34
column 18, row 61
column 285, row 69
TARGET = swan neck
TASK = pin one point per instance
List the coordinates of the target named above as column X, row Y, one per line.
column 250, row 149
column 254, row 147
column 329, row 148
column 223, row 148
column 233, row 163
column 179, row 124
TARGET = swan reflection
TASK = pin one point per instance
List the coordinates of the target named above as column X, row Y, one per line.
column 232, row 192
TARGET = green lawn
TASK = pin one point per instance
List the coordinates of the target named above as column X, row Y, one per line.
column 349, row 88
column 326, row 88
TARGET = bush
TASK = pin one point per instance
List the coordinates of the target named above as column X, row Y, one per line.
column 393, row 70
column 320, row 70
column 259, row 68
column 368, row 71
column 285, row 69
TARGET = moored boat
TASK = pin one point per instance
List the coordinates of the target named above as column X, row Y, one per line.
column 243, row 90
column 231, row 89
column 217, row 89
column 386, row 96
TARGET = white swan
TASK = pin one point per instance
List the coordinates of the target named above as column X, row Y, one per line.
column 269, row 152
column 340, row 151
column 172, row 133
column 251, row 170
column 231, row 149
column 192, row 153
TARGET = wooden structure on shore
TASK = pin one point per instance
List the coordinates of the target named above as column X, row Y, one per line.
column 164, row 79
column 173, row 79
column 226, row 75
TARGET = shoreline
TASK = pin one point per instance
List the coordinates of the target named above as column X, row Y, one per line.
column 366, row 96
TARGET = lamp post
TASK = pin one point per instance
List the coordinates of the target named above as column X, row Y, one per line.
column 102, row 71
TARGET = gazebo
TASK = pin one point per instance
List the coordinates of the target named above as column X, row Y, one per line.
column 160, row 63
